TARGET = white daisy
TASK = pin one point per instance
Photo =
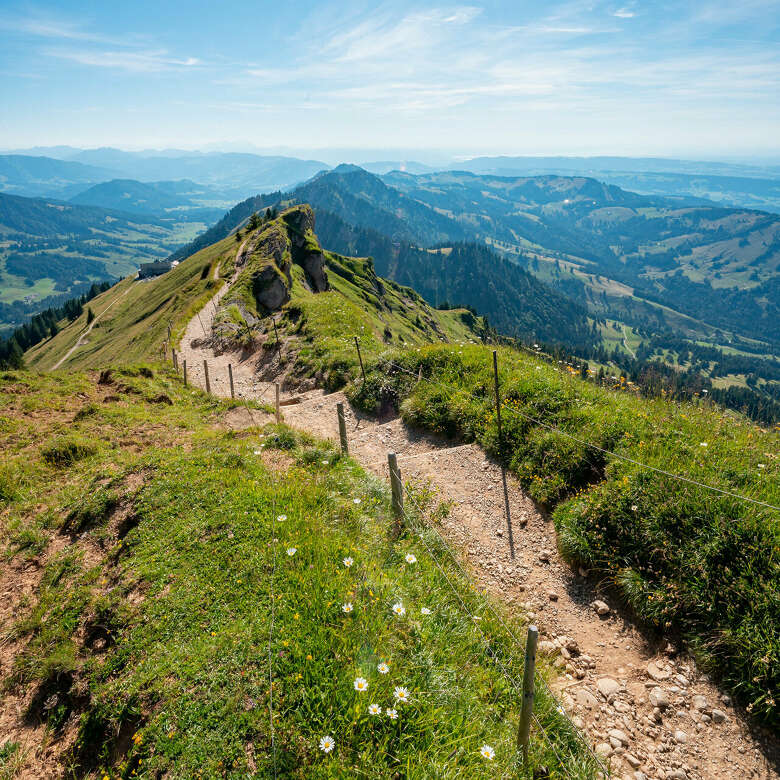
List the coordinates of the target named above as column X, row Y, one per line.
column 374, row 709
column 361, row 684
column 703, row 444
column 410, row 558
column 348, row 562
column 401, row 694
column 291, row 551
column 383, row 668
column 425, row 611
column 487, row 752
column 327, row 744
column 257, row 452
column 391, row 713
column 355, row 500
column 325, row 462
column 634, row 507
column 399, row 609
column 347, row 607
column 281, row 518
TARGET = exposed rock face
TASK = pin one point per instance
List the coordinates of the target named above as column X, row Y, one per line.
column 270, row 289
column 306, row 251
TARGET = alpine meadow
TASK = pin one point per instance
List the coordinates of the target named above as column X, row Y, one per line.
column 390, row 391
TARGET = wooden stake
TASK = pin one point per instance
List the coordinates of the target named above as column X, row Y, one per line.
column 230, row 374
column 501, row 450
column 397, row 492
column 278, row 343
column 360, row 358
column 278, row 409
column 185, row 373
column 342, row 429
column 175, row 359
column 206, row 372
column 529, row 673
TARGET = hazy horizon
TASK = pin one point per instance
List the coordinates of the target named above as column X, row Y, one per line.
column 598, row 78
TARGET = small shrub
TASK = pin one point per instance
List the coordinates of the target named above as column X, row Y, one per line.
column 67, row 450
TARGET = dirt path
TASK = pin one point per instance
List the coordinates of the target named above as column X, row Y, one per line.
column 646, row 709
column 625, row 344
column 82, row 339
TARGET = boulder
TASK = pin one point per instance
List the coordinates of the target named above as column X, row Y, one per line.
column 270, row 289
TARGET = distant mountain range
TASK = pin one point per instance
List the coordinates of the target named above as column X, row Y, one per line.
column 235, row 175
column 183, row 198
column 228, row 176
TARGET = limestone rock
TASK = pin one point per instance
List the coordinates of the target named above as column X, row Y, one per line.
column 607, row 686
column 658, row 698
column 601, row 608
column 718, row 716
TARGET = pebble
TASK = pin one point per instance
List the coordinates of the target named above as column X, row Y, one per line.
column 552, row 595
column 676, row 774
column 680, row 737
column 699, row 702
column 632, row 760
column 658, row 698
column 604, row 749
column 657, row 672
column 600, row 607
column 607, row 686
column 619, row 735
column 718, row 716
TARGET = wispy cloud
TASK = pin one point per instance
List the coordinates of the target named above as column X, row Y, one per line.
column 624, row 13
column 132, row 61
column 129, row 53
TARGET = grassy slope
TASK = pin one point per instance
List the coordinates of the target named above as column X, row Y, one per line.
column 135, row 328
column 687, row 560
column 165, row 574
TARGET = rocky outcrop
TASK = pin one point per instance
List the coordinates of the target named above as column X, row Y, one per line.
column 305, row 248
column 270, row 288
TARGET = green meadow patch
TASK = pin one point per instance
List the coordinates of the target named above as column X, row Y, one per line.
column 690, row 561
column 215, row 617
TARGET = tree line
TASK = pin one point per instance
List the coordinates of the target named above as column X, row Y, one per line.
column 44, row 325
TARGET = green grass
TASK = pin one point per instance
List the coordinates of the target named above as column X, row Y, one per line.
column 689, row 561
column 151, row 632
column 136, row 325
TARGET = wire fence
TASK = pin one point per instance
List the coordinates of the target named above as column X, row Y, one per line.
column 501, row 621
column 383, row 359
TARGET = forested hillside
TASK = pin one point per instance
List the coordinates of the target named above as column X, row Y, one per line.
column 515, row 302
column 52, row 250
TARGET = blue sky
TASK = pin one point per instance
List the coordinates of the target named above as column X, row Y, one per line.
column 697, row 79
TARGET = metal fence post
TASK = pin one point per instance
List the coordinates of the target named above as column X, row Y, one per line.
column 360, row 358
column 230, row 374
column 206, row 372
column 397, row 492
column 342, row 429
column 501, row 449
column 529, row 673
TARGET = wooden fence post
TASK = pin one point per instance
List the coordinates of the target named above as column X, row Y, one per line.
column 397, row 492
column 175, row 358
column 342, row 429
column 278, row 409
column 230, row 374
column 206, row 372
column 360, row 358
column 524, row 728
column 501, row 449
column 185, row 373
column 278, row 343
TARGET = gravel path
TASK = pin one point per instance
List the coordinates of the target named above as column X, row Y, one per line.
column 645, row 708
